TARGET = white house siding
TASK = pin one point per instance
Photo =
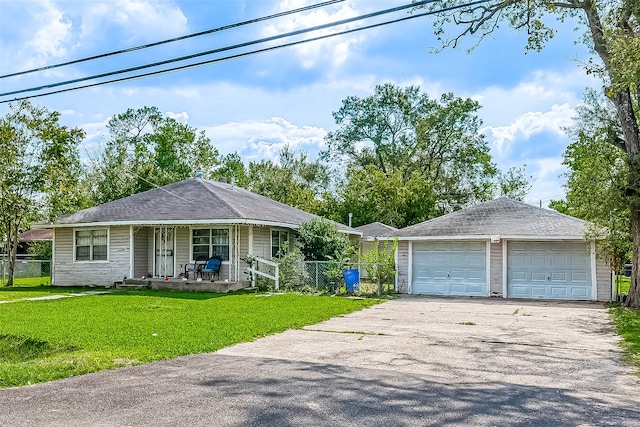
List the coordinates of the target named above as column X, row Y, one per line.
column 141, row 252
column 69, row 273
column 603, row 277
column 495, row 269
column 183, row 248
column 403, row 266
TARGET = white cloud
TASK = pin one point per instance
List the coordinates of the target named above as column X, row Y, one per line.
column 335, row 50
column 546, row 183
column 256, row 140
column 182, row 117
column 135, row 20
column 51, row 38
column 529, row 124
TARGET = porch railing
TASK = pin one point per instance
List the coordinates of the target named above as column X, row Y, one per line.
column 254, row 269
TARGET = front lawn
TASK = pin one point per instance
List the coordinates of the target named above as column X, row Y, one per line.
column 52, row 339
column 628, row 325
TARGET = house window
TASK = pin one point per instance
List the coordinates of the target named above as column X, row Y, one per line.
column 91, row 245
column 278, row 237
column 207, row 242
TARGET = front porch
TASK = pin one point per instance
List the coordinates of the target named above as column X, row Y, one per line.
column 172, row 284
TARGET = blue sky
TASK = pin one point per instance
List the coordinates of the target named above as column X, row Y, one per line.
column 258, row 104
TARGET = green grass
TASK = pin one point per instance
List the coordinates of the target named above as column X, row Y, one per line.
column 628, row 326
column 624, row 283
column 29, row 281
column 52, row 339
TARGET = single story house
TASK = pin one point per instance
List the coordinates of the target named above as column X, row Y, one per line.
column 502, row 248
column 159, row 231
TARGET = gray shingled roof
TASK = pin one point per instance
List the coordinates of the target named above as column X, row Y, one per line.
column 196, row 200
column 375, row 229
column 502, row 216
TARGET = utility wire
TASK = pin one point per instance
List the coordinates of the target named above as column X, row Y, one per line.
column 175, row 39
column 219, row 50
column 380, row 24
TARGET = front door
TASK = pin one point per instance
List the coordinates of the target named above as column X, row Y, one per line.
column 164, row 250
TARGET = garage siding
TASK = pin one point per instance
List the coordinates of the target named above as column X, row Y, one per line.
column 403, row 266
column 603, row 277
column 495, row 270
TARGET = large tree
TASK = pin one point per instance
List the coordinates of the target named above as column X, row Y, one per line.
column 596, row 175
column 410, row 158
column 612, row 30
column 144, row 150
column 39, row 169
column 293, row 180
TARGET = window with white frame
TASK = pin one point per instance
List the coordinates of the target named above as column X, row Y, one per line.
column 209, row 242
column 91, row 245
column 278, row 237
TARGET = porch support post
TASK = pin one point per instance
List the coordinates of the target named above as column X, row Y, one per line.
column 131, row 251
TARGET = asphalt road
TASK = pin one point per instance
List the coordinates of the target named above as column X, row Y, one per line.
column 414, row 361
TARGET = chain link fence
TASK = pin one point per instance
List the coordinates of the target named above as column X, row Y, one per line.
column 324, row 276
column 27, row 271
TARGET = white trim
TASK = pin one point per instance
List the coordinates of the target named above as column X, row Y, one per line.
column 231, row 248
column 131, row 251
column 505, row 270
column 410, row 269
column 396, row 277
column 250, row 240
column 211, row 227
column 594, row 277
column 487, row 277
column 52, row 265
column 484, row 237
column 614, row 291
column 279, row 230
column 101, row 261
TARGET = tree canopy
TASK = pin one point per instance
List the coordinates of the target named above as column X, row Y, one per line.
column 39, row 172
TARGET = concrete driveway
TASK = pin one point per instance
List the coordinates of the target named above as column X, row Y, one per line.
column 412, row 361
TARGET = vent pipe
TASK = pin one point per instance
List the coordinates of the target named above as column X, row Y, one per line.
column 199, row 175
column 350, row 218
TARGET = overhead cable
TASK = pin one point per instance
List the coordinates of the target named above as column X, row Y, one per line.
column 239, row 55
column 175, row 39
column 219, row 50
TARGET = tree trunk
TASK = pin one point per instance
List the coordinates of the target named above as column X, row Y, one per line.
column 12, row 246
column 633, row 299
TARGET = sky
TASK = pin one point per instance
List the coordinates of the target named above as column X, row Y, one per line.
column 257, row 104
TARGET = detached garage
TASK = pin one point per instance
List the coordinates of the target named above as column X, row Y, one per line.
column 502, row 248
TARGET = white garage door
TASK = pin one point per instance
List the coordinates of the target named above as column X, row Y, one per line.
column 449, row 268
column 550, row 270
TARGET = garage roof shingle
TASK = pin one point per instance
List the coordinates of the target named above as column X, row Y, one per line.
column 502, row 216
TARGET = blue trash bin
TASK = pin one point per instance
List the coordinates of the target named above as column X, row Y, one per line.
column 352, row 279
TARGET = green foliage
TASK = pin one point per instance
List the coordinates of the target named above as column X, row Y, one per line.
column 41, row 250
column 294, row 181
column 232, row 168
column 290, row 268
column 145, row 150
column 320, row 240
column 596, row 178
column 39, row 170
column 514, row 183
column 73, row 336
column 379, row 262
column 409, row 158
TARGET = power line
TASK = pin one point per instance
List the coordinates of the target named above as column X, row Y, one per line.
column 221, row 49
column 252, row 52
column 175, row 39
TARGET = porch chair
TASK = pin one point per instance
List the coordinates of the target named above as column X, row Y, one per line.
column 196, row 266
column 212, row 267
